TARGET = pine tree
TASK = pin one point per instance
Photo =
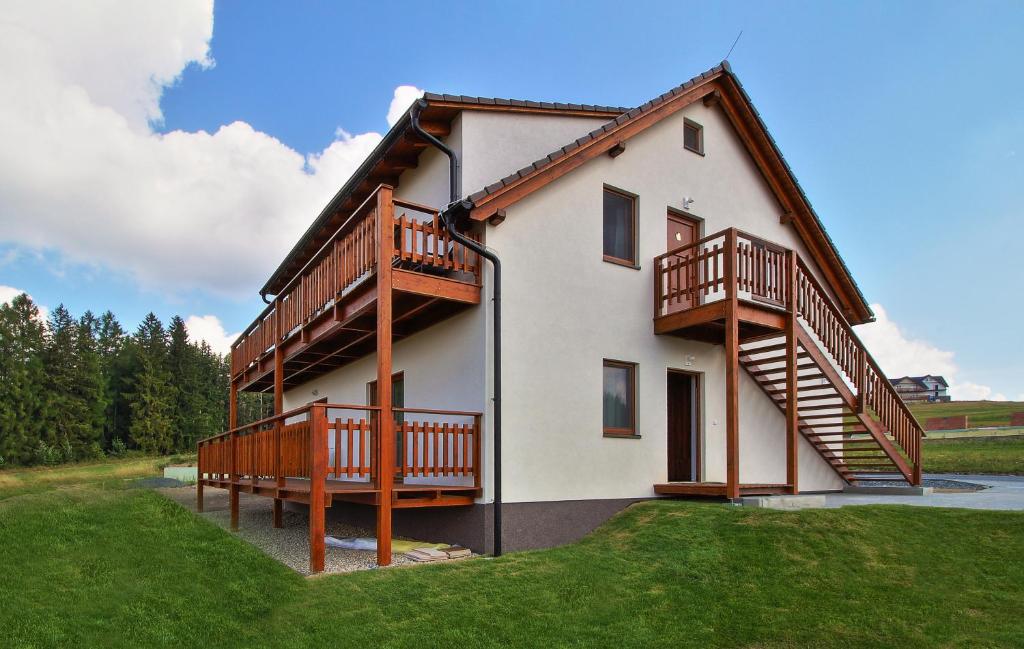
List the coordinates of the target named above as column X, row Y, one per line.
column 152, row 395
column 185, row 360
column 22, row 379
column 118, row 369
column 91, row 383
column 70, row 388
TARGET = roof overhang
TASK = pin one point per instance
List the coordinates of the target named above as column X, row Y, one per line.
column 718, row 86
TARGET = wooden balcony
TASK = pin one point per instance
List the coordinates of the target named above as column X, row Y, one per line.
column 325, row 317
column 692, row 285
column 321, row 453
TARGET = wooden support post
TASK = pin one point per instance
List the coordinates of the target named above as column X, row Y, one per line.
column 233, row 487
column 278, row 513
column 385, row 419
column 233, row 406
column 732, row 371
column 792, row 358
column 278, row 409
column 317, row 485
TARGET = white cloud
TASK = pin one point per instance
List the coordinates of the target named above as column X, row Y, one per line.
column 404, row 96
column 8, row 293
column 210, row 329
column 83, row 173
column 899, row 355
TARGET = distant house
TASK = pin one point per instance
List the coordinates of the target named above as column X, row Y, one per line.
column 921, row 388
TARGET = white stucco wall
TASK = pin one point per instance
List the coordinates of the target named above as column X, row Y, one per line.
column 566, row 310
column 498, row 144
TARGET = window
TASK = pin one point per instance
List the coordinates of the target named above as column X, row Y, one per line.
column 619, row 227
column 693, row 136
column 397, row 394
column 619, row 398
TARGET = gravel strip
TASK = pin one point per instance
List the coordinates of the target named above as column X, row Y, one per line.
column 934, row 483
column 290, row 544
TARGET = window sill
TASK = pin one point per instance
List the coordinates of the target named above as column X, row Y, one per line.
column 700, row 153
column 622, row 436
column 621, row 262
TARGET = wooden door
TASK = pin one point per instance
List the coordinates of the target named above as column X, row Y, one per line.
column 683, row 436
column 682, row 230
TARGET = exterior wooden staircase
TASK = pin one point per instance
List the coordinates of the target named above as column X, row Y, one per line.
column 846, row 407
column 777, row 322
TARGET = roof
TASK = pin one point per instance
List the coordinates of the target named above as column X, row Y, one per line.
column 521, row 103
column 375, row 169
column 380, row 166
column 612, row 129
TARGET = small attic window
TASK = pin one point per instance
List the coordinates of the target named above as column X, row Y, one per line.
column 693, row 136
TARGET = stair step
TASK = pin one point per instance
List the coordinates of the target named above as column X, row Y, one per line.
column 801, row 377
column 844, row 415
column 877, row 473
column 820, row 397
column 778, row 370
column 763, row 348
column 846, row 427
column 828, row 433
column 895, row 476
column 826, row 407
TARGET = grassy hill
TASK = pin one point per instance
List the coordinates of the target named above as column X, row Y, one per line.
column 97, row 565
column 980, row 413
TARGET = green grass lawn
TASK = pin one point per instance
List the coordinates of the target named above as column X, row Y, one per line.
column 979, row 413
column 94, row 565
column 974, row 455
column 17, row 481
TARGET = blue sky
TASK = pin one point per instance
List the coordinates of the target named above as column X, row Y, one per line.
column 903, row 121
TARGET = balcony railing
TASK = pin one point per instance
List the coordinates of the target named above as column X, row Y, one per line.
column 346, row 261
column 695, row 274
column 336, row 446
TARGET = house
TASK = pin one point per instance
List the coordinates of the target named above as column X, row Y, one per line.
column 921, row 388
column 518, row 317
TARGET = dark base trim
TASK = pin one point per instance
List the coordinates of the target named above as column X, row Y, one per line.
column 525, row 526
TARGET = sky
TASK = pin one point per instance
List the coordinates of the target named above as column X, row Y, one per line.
column 165, row 156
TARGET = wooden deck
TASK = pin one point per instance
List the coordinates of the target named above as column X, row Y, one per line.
column 403, row 495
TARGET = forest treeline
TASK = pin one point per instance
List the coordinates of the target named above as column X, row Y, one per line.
column 79, row 388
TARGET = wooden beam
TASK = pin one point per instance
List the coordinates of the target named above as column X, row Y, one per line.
column 385, row 418
column 617, row 149
column 448, row 289
column 317, row 485
column 792, row 370
column 732, row 373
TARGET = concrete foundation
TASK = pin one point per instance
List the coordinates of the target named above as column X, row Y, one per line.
column 784, row 502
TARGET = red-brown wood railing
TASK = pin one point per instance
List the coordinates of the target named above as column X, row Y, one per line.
column 875, row 394
column 347, row 260
column 437, row 443
column 695, row 274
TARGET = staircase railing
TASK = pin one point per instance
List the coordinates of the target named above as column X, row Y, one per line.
column 875, row 394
